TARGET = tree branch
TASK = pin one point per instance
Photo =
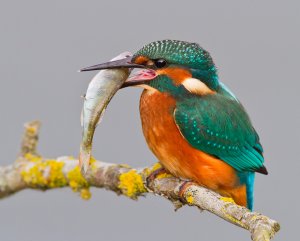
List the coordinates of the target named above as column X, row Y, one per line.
column 33, row 171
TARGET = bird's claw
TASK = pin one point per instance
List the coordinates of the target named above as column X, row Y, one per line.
column 154, row 175
column 185, row 185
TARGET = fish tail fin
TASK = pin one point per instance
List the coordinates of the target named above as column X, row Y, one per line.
column 84, row 159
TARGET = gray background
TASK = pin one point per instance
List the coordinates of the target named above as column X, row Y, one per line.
column 255, row 44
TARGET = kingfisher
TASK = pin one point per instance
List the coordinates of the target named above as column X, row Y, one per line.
column 192, row 122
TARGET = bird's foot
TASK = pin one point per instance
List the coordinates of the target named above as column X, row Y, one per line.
column 183, row 187
column 158, row 172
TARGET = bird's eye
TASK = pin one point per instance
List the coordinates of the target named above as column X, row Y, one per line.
column 160, row 63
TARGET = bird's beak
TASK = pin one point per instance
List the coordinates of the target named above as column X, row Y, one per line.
column 116, row 64
column 139, row 78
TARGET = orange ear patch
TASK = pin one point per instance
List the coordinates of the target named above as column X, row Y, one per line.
column 178, row 75
column 141, row 60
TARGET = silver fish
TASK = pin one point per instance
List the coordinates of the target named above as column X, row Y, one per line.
column 99, row 93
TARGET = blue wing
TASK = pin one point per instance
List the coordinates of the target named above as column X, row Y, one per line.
column 218, row 125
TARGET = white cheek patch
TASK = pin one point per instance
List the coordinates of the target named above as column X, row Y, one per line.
column 197, row 87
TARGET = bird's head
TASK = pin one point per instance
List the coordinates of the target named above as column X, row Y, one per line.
column 171, row 66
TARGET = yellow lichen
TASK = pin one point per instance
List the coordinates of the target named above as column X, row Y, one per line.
column 49, row 174
column 228, row 216
column 163, row 175
column 92, row 164
column 156, row 166
column 85, row 193
column 45, row 174
column 92, row 160
column 131, row 184
column 189, row 198
column 233, row 219
column 31, row 129
column 76, row 180
column 124, row 165
column 227, row 199
column 56, row 177
column 34, row 177
column 148, row 171
column 78, row 183
column 32, row 158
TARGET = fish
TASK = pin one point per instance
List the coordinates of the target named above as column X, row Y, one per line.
column 100, row 91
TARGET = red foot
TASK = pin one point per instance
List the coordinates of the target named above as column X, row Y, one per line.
column 154, row 174
column 183, row 188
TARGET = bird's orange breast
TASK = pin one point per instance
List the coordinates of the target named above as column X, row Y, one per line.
column 177, row 155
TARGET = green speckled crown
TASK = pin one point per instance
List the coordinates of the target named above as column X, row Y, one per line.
column 189, row 55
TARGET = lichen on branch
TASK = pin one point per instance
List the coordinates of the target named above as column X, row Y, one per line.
column 39, row 173
column 36, row 172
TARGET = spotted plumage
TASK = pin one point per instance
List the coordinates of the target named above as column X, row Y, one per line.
column 215, row 131
column 183, row 54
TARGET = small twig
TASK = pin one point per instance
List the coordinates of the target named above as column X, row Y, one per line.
column 30, row 138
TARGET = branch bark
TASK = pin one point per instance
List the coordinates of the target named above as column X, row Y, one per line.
column 31, row 170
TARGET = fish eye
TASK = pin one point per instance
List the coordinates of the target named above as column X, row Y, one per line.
column 160, row 63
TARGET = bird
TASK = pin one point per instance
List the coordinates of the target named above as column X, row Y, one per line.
column 192, row 122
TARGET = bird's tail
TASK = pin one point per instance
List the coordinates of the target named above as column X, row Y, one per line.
column 250, row 189
column 247, row 179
